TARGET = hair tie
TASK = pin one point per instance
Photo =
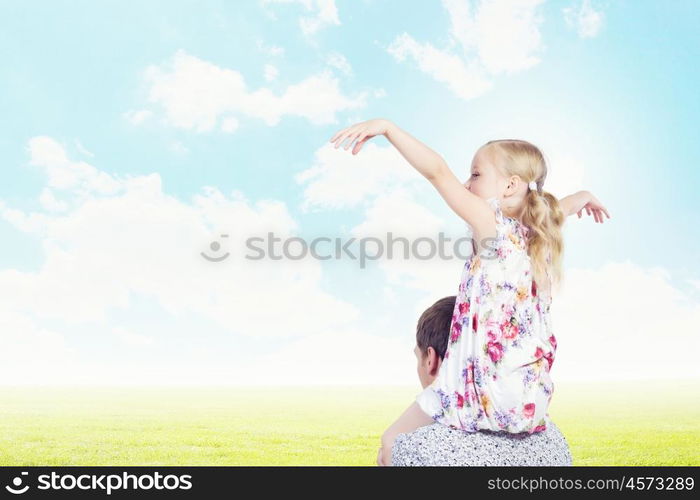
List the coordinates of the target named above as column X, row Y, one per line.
column 532, row 185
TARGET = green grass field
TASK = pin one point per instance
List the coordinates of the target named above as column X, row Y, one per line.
column 624, row 423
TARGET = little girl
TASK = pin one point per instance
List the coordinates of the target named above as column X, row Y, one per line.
column 495, row 375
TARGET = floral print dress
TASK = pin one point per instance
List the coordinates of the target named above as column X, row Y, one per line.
column 495, row 374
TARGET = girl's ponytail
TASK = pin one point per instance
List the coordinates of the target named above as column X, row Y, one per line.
column 544, row 217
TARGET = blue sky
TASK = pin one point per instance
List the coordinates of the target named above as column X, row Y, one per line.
column 221, row 115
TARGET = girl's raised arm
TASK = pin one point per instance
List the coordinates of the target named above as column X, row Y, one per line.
column 430, row 165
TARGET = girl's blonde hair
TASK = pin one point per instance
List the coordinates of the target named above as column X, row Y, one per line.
column 542, row 213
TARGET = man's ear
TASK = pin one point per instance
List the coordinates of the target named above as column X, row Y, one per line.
column 437, row 365
column 434, row 362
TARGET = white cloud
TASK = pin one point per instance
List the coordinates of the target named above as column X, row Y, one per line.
column 49, row 201
column 136, row 117
column 585, row 19
column 31, row 353
column 396, row 210
column 82, row 149
column 323, row 13
column 342, row 357
column 271, row 72
column 179, row 148
column 230, row 124
column 109, row 247
column 132, row 339
column 326, row 15
column 566, row 171
column 503, row 34
column 463, row 78
column 270, row 50
column 338, row 179
column 496, row 37
column 399, row 212
column 194, row 94
column 78, row 176
column 624, row 321
column 339, row 61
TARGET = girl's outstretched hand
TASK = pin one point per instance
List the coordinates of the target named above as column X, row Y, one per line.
column 361, row 132
column 594, row 207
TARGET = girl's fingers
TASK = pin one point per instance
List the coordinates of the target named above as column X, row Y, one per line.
column 360, row 141
column 350, row 134
column 341, row 139
column 358, row 145
column 600, row 207
column 361, row 134
column 352, row 139
column 335, row 136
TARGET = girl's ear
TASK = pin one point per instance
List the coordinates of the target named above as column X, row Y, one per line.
column 512, row 185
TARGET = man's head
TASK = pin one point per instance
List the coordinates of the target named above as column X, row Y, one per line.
column 432, row 333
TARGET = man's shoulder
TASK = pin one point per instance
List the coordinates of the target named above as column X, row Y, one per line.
column 442, row 431
column 439, row 444
column 435, row 431
column 410, row 447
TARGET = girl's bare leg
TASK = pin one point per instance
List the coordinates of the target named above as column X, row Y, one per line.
column 410, row 420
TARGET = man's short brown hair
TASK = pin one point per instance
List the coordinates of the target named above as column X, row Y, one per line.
column 434, row 325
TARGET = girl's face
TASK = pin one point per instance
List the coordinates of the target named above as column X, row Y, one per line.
column 484, row 180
